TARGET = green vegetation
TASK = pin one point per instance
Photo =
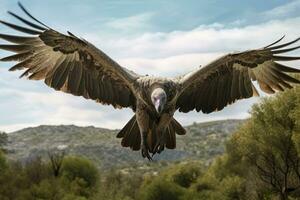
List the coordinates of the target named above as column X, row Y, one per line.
column 3, row 164
column 35, row 180
column 261, row 162
column 161, row 189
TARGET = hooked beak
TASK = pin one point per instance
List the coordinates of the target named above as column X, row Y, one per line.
column 158, row 106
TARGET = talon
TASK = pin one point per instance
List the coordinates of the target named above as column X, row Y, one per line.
column 153, row 154
column 155, row 149
column 145, row 152
column 161, row 148
column 160, row 145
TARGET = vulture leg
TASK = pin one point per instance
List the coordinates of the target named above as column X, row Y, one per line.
column 163, row 124
column 143, row 123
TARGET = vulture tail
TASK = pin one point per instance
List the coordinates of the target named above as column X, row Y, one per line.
column 170, row 136
column 131, row 136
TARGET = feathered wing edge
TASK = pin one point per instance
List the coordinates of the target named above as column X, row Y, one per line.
column 28, row 49
column 35, row 29
column 228, row 78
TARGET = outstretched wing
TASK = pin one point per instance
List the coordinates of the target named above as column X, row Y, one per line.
column 228, row 78
column 68, row 64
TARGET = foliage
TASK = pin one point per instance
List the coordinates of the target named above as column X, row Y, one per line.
column 183, row 174
column 34, row 180
column 56, row 159
column 160, row 189
column 268, row 142
column 3, row 164
column 77, row 168
column 120, row 185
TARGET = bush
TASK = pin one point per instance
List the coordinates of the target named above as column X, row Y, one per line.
column 34, row 180
column 79, row 176
column 80, row 170
column 183, row 174
column 118, row 185
column 47, row 189
column 36, row 170
column 3, row 164
column 161, row 189
column 231, row 188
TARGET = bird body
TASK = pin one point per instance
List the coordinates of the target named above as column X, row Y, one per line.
column 155, row 125
column 73, row 65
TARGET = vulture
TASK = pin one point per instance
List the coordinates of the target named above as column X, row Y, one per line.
column 73, row 65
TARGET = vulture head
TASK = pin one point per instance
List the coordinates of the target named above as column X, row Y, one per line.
column 159, row 99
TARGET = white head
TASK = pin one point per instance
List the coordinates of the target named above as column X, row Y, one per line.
column 159, row 99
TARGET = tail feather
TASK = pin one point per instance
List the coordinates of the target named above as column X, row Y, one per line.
column 126, row 127
column 135, row 139
column 170, row 137
column 152, row 138
column 131, row 136
column 177, row 127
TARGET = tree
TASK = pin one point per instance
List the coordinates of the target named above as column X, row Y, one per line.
column 81, row 176
column 267, row 143
column 77, row 167
column 36, row 170
column 56, row 160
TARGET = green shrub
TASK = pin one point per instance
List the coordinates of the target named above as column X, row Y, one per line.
column 36, row 170
column 183, row 174
column 47, row 189
column 76, row 168
column 3, row 164
column 161, row 189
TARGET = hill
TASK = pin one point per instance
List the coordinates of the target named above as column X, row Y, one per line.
column 203, row 141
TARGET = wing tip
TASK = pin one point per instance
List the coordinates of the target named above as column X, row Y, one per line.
column 271, row 47
column 273, row 43
column 32, row 17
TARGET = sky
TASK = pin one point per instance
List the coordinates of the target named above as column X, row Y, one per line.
column 157, row 37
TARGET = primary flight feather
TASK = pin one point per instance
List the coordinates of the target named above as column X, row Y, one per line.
column 73, row 65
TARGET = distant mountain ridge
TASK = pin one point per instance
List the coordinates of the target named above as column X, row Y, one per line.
column 203, row 141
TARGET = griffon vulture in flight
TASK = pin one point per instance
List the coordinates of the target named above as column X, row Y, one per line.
column 73, row 65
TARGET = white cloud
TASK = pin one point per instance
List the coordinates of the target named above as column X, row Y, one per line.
column 25, row 103
column 169, row 66
column 204, row 39
column 130, row 23
column 284, row 10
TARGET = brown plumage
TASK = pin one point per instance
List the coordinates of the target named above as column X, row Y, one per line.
column 72, row 65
